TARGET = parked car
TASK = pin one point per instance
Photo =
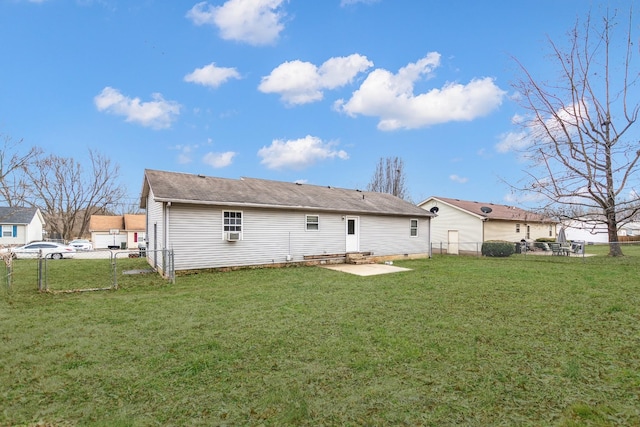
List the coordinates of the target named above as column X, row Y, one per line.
column 81, row 245
column 49, row 250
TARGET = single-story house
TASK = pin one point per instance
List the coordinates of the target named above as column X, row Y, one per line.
column 462, row 226
column 19, row 226
column 631, row 229
column 592, row 228
column 117, row 230
column 212, row 222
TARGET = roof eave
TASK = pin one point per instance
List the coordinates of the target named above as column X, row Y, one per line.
column 290, row 207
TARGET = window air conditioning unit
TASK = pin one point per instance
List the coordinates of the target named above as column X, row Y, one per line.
column 233, row 236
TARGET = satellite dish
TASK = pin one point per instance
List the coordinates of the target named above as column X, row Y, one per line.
column 486, row 209
column 434, row 209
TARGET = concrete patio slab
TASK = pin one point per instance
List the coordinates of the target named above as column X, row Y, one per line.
column 366, row 269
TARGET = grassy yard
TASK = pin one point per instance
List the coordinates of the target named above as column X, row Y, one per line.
column 527, row 341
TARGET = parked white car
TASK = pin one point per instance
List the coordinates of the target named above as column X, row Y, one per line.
column 49, row 250
column 81, row 245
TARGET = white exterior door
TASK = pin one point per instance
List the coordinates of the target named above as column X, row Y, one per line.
column 353, row 234
column 453, row 242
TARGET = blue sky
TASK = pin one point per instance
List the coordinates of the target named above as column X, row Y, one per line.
column 290, row 90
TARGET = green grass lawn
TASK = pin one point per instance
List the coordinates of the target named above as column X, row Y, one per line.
column 527, row 341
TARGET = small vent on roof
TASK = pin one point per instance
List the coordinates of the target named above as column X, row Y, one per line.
column 201, row 176
column 486, row 209
column 434, row 209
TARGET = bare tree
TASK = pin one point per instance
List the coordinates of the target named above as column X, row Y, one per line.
column 389, row 177
column 13, row 166
column 581, row 144
column 68, row 196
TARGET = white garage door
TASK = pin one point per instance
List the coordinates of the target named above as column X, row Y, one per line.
column 102, row 241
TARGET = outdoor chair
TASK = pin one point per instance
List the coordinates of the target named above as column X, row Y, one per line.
column 556, row 249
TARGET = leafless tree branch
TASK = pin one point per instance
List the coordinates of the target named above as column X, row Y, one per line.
column 583, row 148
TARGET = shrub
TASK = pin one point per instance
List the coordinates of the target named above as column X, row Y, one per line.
column 498, row 248
column 546, row 239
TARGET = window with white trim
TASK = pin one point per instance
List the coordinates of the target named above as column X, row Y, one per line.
column 8, row 230
column 517, row 228
column 413, row 228
column 312, row 222
column 232, row 221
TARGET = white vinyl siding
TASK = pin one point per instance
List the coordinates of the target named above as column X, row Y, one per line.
column 155, row 223
column 384, row 235
column 469, row 227
column 271, row 235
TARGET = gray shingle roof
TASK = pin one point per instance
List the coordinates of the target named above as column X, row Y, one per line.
column 15, row 215
column 250, row 192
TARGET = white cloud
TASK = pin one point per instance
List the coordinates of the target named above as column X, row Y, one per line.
column 257, row 22
column 561, row 125
column 211, row 76
column 300, row 82
column 512, row 141
column 299, row 153
column 390, row 97
column 157, row 114
column 219, row 160
column 458, row 179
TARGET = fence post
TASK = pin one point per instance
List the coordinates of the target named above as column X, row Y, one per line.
column 40, row 270
column 173, row 268
column 114, row 267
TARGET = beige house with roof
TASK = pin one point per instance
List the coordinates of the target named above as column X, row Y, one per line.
column 462, row 226
column 214, row 222
column 126, row 231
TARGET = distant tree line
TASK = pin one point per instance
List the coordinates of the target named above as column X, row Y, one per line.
column 66, row 193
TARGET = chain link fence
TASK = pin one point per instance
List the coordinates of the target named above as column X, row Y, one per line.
column 576, row 248
column 96, row 270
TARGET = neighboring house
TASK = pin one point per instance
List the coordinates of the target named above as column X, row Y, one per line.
column 126, row 231
column 462, row 226
column 135, row 227
column 631, row 229
column 217, row 222
column 588, row 229
column 19, row 226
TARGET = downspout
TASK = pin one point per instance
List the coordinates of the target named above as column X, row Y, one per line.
column 484, row 220
column 165, row 237
column 429, row 251
column 165, row 230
